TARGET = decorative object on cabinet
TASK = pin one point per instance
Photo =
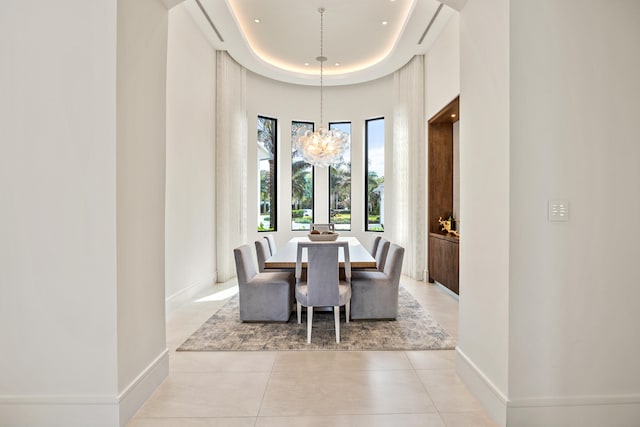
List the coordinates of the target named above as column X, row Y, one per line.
column 448, row 226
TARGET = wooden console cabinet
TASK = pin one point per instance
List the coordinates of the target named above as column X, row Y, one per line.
column 443, row 260
column 443, row 247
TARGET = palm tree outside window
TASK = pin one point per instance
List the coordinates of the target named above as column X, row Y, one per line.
column 301, row 183
column 374, row 173
column 340, row 185
column 267, row 202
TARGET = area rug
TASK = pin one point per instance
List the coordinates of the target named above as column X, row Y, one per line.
column 414, row 329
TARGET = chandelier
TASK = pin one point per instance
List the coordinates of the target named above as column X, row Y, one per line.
column 324, row 147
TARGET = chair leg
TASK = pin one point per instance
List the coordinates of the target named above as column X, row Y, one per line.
column 347, row 310
column 299, row 311
column 309, row 322
column 336, row 316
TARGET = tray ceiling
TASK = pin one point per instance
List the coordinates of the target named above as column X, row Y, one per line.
column 280, row 39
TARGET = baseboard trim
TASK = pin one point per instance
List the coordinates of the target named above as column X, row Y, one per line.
column 447, row 290
column 59, row 410
column 96, row 410
column 185, row 295
column 94, row 399
column 566, row 411
column 493, row 400
column 141, row 388
column 631, row 399
column 589, row 411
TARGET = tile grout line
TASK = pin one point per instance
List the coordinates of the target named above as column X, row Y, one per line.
column 424, row 387
column 266, row 387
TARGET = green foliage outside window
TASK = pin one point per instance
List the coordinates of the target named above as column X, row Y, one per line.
column 267, row 133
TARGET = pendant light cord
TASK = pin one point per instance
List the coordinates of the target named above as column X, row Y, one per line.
column 321, row 58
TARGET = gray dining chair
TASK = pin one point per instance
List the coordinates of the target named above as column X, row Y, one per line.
column 323, row 287
column 381, row 253
column 374, row 245
column 264, row 297
column 263, row 253
column 375, row 293
column 272, row 243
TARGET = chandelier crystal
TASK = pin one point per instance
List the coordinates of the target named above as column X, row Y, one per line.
column 324, row 147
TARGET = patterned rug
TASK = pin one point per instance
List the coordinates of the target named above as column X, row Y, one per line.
column 414, row 329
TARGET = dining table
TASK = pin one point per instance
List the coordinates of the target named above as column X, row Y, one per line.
column 285, row 256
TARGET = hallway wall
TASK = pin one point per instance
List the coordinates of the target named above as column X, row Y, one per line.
column 548, row 318
column 190, row 214
column 483, row 358
column 573, row 337
column 57, row 222
column 140, row 200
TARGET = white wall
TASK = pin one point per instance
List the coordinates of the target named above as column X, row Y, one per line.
column 548, row 309
column 190, row 214
column 442, row 85
column 140, row 183
column 58, row 214
column 443, row 68
column 288, row 103
column 574, row 292
column 484, row 202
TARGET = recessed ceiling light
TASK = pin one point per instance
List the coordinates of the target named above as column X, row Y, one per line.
column 306, row 64
column 453, row 116
column 256, row 20
column 337, row 64
column 385, row 22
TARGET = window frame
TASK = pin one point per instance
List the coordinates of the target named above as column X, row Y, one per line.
column 313, row 171
column 350, row 176
column 273, row 204
column 366, row 174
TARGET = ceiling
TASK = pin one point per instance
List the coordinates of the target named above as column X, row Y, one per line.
column 363, row 39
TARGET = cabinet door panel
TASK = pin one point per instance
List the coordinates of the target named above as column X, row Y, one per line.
column 443, row 262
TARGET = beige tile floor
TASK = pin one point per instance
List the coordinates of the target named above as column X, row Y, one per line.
column 385, row 388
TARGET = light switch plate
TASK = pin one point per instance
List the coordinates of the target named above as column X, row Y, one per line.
column 558, row 210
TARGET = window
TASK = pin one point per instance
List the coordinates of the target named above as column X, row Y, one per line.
column 267, row 201
column 340, row 184
column 301, row 184
column 374, row 174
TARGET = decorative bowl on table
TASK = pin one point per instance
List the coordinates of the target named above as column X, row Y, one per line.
column 325, row 236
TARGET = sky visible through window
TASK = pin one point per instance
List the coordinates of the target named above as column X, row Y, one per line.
column 375, row 175
column 376, row 146
column 340, row 184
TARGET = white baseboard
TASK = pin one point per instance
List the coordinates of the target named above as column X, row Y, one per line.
column 566, row 411
column 59, row 411
column 493, row 400
column 581, row 411
column 185, row 295
column 141, row 388
column 87, row 409
column 447, row 290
